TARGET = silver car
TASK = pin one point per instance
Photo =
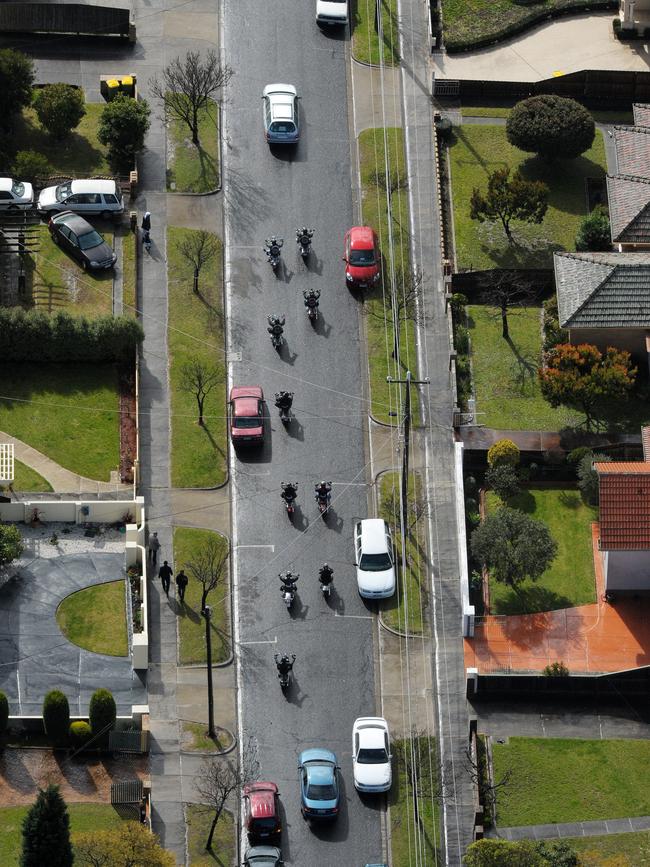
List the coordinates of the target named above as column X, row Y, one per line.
column 280, row 112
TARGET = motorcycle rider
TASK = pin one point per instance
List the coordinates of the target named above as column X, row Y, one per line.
column 289, row 491
column 288, row 580
column 283, row 664
column 284, row 400
column 272, row 246
column 276, row 324
column 323, row 490
column 326, row 574
column 311, row 297
column 304, row 236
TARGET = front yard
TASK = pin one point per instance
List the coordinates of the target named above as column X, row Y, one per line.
column 571, row 579
column 478, row 150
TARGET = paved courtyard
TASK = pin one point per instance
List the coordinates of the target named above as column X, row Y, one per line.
column 35, row 656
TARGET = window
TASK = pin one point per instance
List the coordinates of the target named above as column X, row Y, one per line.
column 5, row 195
column 375, row 562
column 87, row 199
column 110, row 199
column 372, row 757
column 18, row 189
column 90, row 239
column 283, row 126
column 362, row 257
column 62, row 192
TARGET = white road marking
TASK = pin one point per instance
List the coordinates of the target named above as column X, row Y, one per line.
column 267, row 641
column 355, row 616
column 272, row 547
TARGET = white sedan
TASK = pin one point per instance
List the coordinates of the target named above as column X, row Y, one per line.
column 15, row 194
column 371, row 754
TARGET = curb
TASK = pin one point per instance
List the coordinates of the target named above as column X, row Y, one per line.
column 186, row 752
column 204, row 490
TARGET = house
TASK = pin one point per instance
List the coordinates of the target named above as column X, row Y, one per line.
column 604, row 299
column 632, row 144
column 629, row 211
column 635, row 14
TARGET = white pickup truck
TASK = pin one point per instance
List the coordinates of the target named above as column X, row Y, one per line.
column 332, row 12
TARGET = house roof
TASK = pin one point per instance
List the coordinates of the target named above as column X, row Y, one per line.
column 624, row 505
column 629, row 208
column 632, row 145
column 603, row 290
column 641, row 114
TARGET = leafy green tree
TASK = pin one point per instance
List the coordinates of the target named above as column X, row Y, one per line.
column 11, row 544
column 502, row 853
column 102, row 713
column 122, row 129
column 31, row 166
column 46, row 832
column 59, row 108
column 594, row 233
column 56, row 716
column 4, row 713
column 503, row 452
column 588, row 477
column 130, row 844
column 16, row 81
column 584, row 378
column 513, row 546
column 553, row 127
column 503, row 480
column 507, row 199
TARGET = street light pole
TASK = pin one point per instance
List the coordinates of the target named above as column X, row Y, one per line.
column 207, row 613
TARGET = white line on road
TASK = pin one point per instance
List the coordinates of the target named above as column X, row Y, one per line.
column 267, row 641
column 272, row 547
column 356, row 616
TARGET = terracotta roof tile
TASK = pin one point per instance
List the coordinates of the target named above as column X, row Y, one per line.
column 624, row 506
column 623, row 468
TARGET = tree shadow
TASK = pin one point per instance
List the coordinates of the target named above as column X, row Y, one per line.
column 531, row 599
column 525, row 373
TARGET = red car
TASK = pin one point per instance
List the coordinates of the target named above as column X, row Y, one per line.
column 362, row 258
column 262, row 811
column 246, row 414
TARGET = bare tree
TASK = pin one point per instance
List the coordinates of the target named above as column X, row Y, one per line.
column 187, row 85
column 482, row 779
column 417, row 756
column 208, row 566
column 507, row 290
column 199, row 379
column 403, row 305
column 198, row 248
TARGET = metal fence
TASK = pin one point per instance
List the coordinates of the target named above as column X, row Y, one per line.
column 74, row 18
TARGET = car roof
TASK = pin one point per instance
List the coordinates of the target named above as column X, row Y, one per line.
column 262, row 803
column 246, row 391
column 373, row 535
column 75, row 221
column 317, row 754
column 280, row 90
column 93, row 186
column 362, row 238
column 371, row 736
column 260, row 787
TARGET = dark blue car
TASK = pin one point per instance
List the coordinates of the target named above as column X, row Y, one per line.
column 319, row 784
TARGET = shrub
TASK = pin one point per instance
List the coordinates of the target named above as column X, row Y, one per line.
column 59, row 108
column 577, row 454
column 122, row 129
column 503, row 480
column 4, row 713
column 553, row 334
column 80, row 733
column 461, row 339
column 31, row 166
column 102, row 712
column 16, row 81
column 11, row 543
column 588, row 477
column 56, row 716
column 594, row 233
column 443, row 128
column 503, row 452
column 551, row 126
column 556, row 669
column 470, row 485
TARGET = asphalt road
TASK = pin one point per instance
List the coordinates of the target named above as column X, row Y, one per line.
column 268, row 192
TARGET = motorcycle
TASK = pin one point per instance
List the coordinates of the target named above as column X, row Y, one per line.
column 276, row 330
column 289, row 498
column 323, row 500
column 311, row 297
column 271, row 248
column 285, row 676
column 326, row 588
column 283, row 401
column 303, row 239
column 288, row 589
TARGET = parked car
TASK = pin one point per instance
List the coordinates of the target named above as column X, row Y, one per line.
column 262, row 811
column 362, row 258
column 15, row 195
column 319, row 784
column 371, row 754
column 246, row 414
column 280, row 109
column 332, row 12
column 373, row 548
column 83, row 242
column 263, row 856
column 83, row 197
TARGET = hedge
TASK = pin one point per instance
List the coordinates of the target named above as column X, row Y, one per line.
column 102, row 713
column 32, row 335
column 56, row 716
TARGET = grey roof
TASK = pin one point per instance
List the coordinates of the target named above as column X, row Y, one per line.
column 603, row 290
column 632, row 150
column 641, row 114
column 629, row 208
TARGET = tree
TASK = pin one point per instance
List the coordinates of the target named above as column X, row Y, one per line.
column 503, row 480
column 56, row 716
column 513, row 546
column 507, row 290
column 46, row 832
column 583, row 378
column 31, row 166
column 508, row 199
column 503, row 452
column 11, row 544
column 187, row 86
column 199, row 379
column 59, row 108
column 403, row 305
column 122, row 129
column 588, row 477
column 102, row 714
column 551, row 126
column 208, row 565
column 557, row 853
column 594, row 233
column 502, row 853
column 16, row 81
column 130, row 845
column 197, row 248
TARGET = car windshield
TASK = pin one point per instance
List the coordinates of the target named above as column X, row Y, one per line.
column 247, row 422
column 362, row 257
column 283, row 126
column 375, row 562
column 266, row 824
column 89, row 240
column 372, row 757
column 62, row 192
column 317, row 792
column 18, row 189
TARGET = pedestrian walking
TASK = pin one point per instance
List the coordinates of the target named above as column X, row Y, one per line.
column 154, row 547
column 165, row 574
column 181, row 583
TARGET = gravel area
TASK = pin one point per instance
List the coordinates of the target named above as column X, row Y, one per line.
column 70, row 539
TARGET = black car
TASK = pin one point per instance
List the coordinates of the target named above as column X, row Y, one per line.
column 81, row 240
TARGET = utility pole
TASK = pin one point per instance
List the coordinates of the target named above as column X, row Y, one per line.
column 408, row 382
column 207, row 613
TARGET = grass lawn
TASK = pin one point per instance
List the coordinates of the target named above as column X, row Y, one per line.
column 95, row 618
column 223, row 844
column 411, row 594
column 504, row 111
column 478, row 150
column 379, row 323
column 365, row 39
column 191, row 627
column 613, row 850
column 571, row 780
column 79, row 154
column 83, row 818
column 129, row 276
column 195, row 738
column 570, row 580
column 199, row 454
column 400, row 800
column 59, row 283
column 193, row 169
column 27, row 479
column 67, row 411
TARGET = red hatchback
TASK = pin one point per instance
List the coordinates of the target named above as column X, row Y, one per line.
column 362, row 258
column 262, row 811
column 246, row 414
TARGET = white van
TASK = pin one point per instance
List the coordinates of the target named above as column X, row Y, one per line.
column 83, row 197
column 332, row 12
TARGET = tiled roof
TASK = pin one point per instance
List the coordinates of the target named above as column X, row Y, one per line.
column 629, row 208
column 641, row 114
column 624, row 506
column 645, row 438
column 632, row 150
column 603, row 290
